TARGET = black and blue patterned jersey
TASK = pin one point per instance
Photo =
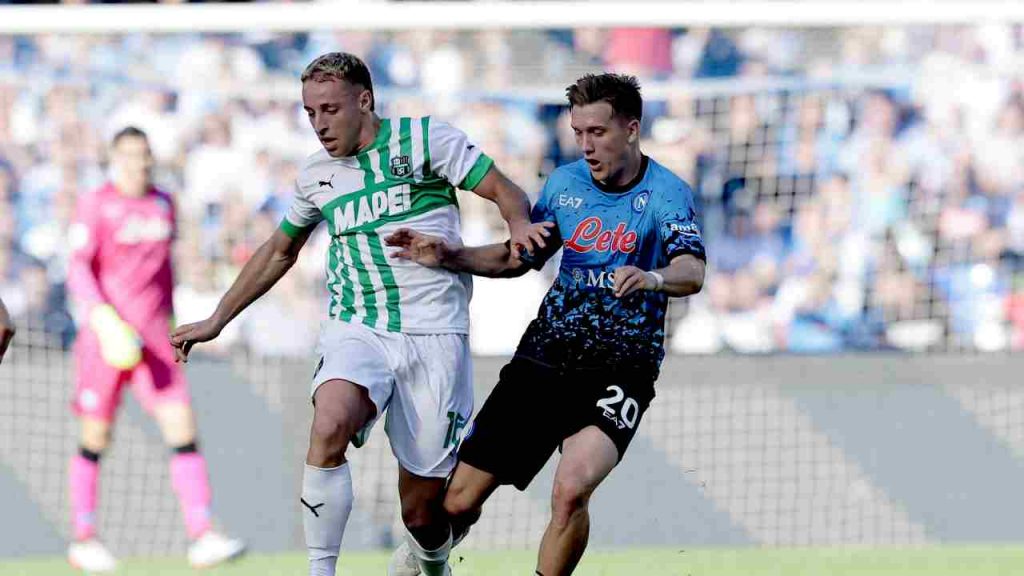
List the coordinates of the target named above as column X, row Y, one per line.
column 647, row 223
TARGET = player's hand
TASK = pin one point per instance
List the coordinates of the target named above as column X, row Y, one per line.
column 629, row 279
column 423, row 249
column 530, row 237
column 185, row 336
column 6, row 335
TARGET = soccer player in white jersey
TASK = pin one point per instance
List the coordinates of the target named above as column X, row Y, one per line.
column 397, row 335
column 6, row 330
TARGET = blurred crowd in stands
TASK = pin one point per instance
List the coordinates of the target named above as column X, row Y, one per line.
column 859, row 189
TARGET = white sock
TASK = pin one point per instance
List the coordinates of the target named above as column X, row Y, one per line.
column 432, row 562
column 326, row 503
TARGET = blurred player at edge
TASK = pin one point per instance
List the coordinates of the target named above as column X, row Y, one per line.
column 120, row 281
column 6, row 330
column 585, row 369
column 397, row 334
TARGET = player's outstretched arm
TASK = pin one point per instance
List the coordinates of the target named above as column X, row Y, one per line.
column 493, row 260
column 682, row 277
column 6, row 330
column 273, row 259
column 514, row 207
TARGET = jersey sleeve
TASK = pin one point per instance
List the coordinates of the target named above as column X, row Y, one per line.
column 84, row 236
column 302, row 215
column 543, row 211
column 454, row 157
column 677, row 224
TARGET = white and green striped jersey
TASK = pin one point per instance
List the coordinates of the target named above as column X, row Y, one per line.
column 406, row 178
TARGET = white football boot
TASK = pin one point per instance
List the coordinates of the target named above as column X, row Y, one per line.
column 403, row 562
column 91, row 556
column 212, row 548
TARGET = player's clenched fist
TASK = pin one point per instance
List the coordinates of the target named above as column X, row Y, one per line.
column 629, row 279
column 183, row 337
column 423, row 249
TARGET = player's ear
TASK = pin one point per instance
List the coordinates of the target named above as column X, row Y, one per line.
column 366, row 101
column 633, row 131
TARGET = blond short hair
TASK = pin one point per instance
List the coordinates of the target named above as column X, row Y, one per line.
column 340, row 66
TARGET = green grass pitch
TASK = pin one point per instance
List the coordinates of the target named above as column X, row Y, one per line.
column 930, row 561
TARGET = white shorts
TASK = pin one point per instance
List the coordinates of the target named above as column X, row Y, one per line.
column 424, row 381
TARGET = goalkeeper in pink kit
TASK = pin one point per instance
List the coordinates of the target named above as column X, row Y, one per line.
column 121, row 281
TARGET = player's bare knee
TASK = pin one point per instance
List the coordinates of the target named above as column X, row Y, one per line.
column 419, row 516
column 459, row 504
column 97, row 444
column 329, row 438
column 568, row 496
column 95, row 436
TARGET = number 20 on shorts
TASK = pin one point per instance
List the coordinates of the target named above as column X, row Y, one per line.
column 628, row 411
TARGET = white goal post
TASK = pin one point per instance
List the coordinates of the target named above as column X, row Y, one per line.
column 491, row 14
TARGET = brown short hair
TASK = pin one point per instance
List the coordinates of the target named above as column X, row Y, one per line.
column 128, row 132
column 341, row 66
column 619, row 90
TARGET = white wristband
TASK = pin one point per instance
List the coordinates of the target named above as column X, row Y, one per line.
column 659, row 281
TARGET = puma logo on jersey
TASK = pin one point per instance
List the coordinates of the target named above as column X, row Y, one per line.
column 371, row 207
column 328, row 183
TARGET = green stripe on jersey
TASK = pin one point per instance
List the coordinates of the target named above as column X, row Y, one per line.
column 384, row 164
column 388, row 278
column 341, row 269
column 476, row 174
column 368, row 291
column 332, row 279
column 379, row 146
column 425, row 122
column 291, row 230
column 405, row 141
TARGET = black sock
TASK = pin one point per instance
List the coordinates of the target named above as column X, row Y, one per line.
column 89, row 454
column 189, row 448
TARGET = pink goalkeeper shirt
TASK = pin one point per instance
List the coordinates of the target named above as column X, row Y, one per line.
column 122, row 257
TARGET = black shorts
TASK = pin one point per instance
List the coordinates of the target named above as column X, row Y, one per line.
column 535, row 407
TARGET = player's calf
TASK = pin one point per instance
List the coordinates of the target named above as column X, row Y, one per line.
column 463, row 502
column 191, row 484
column 341, row 409
column 587, row 458
column 428, row 534
column 83, row 477
column 462, row 512
column 568, row 531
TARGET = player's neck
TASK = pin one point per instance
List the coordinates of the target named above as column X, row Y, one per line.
column 131, row 189
column 630, row 170
column 368, row 133
column 630, row 175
